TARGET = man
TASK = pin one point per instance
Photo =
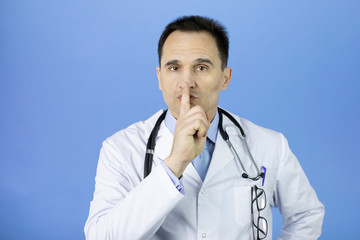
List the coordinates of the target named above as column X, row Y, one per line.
column 201, row 186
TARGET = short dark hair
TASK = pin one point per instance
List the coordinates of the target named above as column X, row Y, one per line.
column 198, row 24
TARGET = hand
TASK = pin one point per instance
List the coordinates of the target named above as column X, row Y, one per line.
column 190, row 134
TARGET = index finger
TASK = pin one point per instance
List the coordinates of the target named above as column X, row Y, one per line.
column 185, row 99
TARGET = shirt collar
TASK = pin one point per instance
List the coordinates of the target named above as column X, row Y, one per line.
column 170, row 123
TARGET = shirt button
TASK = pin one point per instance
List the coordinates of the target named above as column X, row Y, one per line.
column 203, row 235
column 202, row 192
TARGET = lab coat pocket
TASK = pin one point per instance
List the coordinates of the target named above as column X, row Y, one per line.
column 242, row 206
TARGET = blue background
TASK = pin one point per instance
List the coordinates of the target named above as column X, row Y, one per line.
column 73, row 72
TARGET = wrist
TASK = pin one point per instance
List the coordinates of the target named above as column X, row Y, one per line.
column 175, row 167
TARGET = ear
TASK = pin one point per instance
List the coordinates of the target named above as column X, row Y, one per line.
column 226, row 78
column 158, row 77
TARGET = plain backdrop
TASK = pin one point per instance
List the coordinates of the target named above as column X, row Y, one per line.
column 73, row 72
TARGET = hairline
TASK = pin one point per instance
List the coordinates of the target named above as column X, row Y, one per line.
column 211, row 26
column 198, row 59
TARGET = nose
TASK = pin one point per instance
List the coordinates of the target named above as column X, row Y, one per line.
column 189, row 78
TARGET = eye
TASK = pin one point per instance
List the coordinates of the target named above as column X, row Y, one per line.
column 202, row 68
column 173, row 68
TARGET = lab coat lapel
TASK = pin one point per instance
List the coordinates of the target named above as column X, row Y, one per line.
column 220, row 158
column 149, row 125
column 164, row 142
column 192, row 172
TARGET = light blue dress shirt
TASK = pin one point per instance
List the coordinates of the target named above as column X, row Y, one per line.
column 170, row 123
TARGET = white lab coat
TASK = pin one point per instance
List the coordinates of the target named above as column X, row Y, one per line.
column 126, row 206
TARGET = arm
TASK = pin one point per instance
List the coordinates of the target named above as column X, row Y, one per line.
column 121, row 211
column 302, row 212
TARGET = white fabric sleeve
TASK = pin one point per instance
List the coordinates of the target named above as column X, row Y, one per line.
column 121, row 210
column 301, row 210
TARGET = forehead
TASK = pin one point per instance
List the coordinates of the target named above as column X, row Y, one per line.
column 188, row 46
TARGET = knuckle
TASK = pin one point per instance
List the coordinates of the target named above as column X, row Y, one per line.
column 201, row 116
column 198, row 122
column 198, row 108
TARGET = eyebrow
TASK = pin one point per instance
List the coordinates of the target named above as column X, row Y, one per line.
column 171, row 62
column 204, row 60
column 199, row 60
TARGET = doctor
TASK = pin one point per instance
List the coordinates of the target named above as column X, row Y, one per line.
column 197, row 188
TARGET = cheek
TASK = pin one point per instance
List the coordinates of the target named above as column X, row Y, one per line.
column 212, row 88
column 169, row 92
column 168, row 82
column 168, row 88
column 211, row 92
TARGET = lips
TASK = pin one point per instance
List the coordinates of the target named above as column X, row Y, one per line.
column 192, row 97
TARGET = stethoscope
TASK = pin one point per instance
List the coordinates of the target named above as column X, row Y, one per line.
column 151, row 145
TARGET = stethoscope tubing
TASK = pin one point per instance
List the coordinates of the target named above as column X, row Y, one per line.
column 151, row 144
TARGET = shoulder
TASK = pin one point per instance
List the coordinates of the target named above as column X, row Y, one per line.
column 138, row 132
column 251, row 128
column 124, row 151
column 255, row 134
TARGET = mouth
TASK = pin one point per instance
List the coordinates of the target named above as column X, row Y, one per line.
column 192, row 97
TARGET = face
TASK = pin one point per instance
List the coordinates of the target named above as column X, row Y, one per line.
column 192, row 58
